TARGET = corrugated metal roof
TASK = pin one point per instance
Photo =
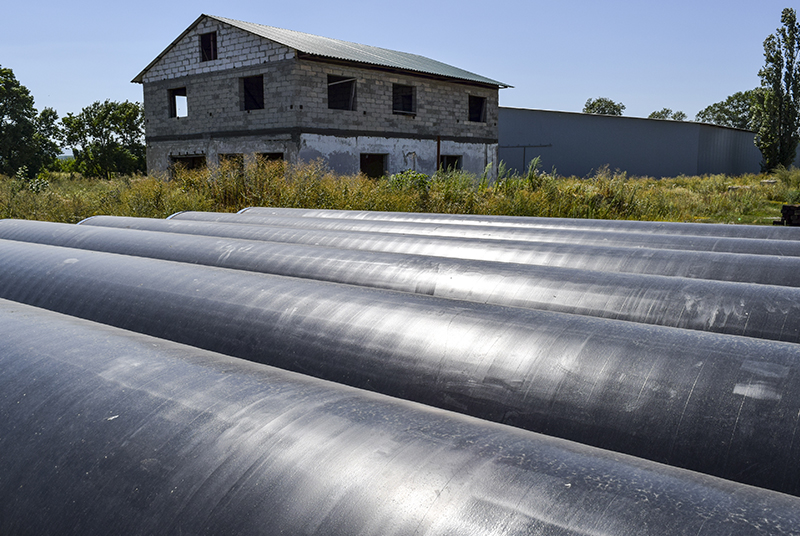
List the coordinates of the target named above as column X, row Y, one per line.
column 347, row 51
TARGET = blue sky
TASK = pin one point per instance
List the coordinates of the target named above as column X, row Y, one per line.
column 682, row 55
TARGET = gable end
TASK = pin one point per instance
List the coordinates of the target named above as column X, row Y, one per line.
column 189, row 53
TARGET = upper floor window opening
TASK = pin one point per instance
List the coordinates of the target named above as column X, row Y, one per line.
column 477, row 109
column 341, row 92
column 208, row 46
column 404, row 99
column 252, row 91
column 178, row 102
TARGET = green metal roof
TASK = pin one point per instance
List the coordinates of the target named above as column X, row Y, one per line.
column 346, row 51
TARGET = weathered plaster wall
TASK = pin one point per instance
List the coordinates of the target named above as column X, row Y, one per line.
column 342, row 154
column 160, row 154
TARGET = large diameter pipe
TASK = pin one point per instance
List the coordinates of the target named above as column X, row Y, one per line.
column 105, row 431
column 719, row 404
column 768, row 232
column 761, row 269
column 748, row 246
column 762, row 311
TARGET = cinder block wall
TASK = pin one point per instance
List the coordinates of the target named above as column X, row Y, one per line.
column 442, row 107
column 295, row 94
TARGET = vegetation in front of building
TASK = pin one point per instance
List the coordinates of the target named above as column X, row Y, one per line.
column 69, row 197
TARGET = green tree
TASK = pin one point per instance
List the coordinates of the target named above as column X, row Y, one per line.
column 603, row 106
column 777, row 101
column 28, row 140
column 107, row 138
column 667, row 113
column 734, row 111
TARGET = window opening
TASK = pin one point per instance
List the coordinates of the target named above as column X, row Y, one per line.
column 196, row 161
column 208, row 46
column 341, row 93
column 477, row 109
column 234, row 161
column 373, row 165
column 271, row 157
column 450, row 162
column 178, row 103
column 403, row 99
column 253, row 92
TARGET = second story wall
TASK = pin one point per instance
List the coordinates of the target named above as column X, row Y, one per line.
column 439, row 107
column 213, row 102
column 187, row 94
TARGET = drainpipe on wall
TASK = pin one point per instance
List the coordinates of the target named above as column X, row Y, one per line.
column 438, row 152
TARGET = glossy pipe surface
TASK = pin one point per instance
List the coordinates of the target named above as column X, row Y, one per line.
column 762, row 311
column 762, row 269
column 769, row 232
column 105, row 431
column 719, row 404
column 748, row 246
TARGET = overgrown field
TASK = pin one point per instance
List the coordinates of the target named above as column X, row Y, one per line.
column 717, row 198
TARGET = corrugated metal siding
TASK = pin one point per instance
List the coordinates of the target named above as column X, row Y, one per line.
column 727, row 151
column 579, row 144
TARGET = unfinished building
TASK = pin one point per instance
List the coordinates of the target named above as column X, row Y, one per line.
column 226, row 88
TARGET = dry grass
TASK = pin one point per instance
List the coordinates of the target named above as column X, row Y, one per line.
column 228, row 188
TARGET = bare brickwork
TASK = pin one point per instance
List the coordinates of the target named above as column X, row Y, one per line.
column 296, row 119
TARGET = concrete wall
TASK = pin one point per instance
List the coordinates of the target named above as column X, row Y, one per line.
column 160, row 154
column 342, row 154
column 579, row 144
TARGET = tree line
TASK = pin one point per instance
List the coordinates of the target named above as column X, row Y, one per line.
column 105, row 137
column 771, row 110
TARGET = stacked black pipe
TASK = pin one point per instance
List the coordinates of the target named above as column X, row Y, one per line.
column 674, row 345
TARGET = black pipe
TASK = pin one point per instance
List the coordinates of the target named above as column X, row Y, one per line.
column 762, row 311
column 105, row 431
column 724, row 405
column 658, row 227
column 762, row 269
column 748, row 246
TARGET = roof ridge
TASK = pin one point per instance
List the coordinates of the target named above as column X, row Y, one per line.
column 339, row 49
column 333, row 39
column 380, row 56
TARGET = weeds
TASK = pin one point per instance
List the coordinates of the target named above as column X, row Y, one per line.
column 232, row 186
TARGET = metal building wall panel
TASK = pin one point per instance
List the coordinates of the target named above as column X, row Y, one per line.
column 580, row 144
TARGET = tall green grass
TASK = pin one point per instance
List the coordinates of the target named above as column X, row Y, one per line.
column 230, row 187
